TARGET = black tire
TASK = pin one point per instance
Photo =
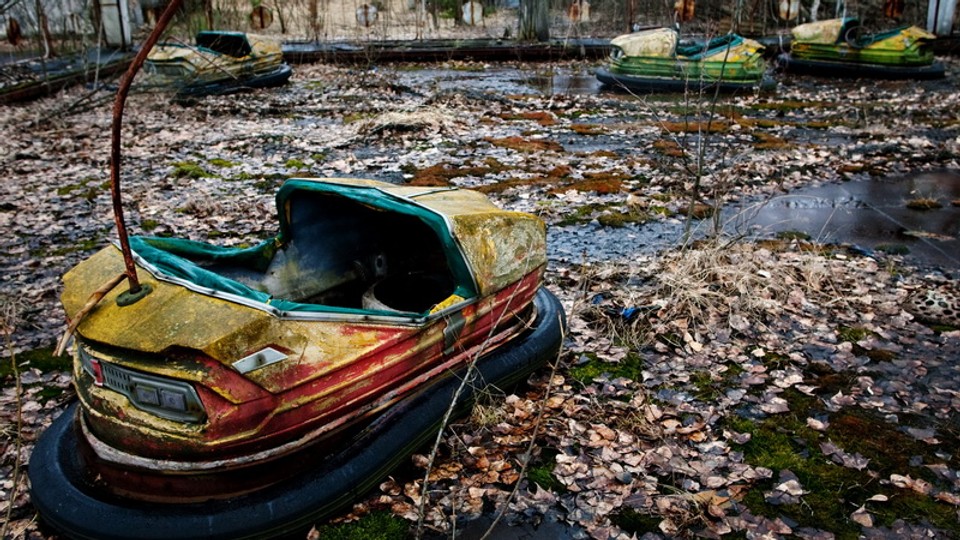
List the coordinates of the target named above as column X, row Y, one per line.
column 67, row 503
column 826, row 68
column 190, row 94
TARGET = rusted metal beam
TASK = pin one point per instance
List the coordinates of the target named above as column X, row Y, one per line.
column 122, row 91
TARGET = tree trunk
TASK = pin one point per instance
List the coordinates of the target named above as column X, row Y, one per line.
column 45, row 31
column 534, row 21
column 315, row 19
column 208, row 12
column 280, row 17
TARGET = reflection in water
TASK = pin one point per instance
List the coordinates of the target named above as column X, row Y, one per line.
column 503, row 79
column 871, row 214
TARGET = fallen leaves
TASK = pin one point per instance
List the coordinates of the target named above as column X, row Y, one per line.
column 688, row 339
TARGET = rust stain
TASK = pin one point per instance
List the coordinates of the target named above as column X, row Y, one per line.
column 525, row 145
column 543, row 118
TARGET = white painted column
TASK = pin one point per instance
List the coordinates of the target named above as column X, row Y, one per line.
column 940, row 16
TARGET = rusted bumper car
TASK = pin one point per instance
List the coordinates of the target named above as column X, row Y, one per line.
column 842, row 48
column 657, row 60
column 219, row 63
column 253, row 391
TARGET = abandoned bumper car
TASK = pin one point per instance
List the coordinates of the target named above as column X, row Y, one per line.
column 219, row 63
column 656, row 60
column 252, row 391
column 841, row 48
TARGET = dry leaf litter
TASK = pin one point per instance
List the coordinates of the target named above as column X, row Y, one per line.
column 755, row 322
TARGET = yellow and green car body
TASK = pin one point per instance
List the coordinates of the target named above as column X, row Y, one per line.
column 220, row 62
column 656, row 60
column 840, row 47
column 368, row 291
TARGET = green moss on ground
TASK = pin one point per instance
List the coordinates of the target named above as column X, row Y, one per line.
column 189, row 169
column 785, row 442
column 631, row 367
column 373, row 526
column 294, row 163
column 634, row 522
column 41, row 359
column 541, row 472
column 220, row 162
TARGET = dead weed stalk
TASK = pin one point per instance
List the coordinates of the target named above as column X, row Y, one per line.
column 685, row 296
column 9, row 313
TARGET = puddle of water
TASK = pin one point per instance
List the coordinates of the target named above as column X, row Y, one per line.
column 872, row 214
column 505, row 80
column 580, row 82
column 594, row 243
column 869, row 213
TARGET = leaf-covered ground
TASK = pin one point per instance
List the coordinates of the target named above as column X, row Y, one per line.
column 728, row 388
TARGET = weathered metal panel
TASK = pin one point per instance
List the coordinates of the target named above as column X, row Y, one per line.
column 658, row 42
column 826, row 32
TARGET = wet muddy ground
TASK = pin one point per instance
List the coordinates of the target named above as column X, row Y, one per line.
column 614, row 176
column 874, row 214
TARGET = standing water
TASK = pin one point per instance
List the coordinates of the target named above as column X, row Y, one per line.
column 917, row 213
column 873, row 214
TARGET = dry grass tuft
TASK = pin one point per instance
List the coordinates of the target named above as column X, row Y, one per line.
column 687, row 295
column 416, row 121
column 923, row 203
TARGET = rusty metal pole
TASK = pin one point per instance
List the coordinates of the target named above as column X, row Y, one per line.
column 122, row 91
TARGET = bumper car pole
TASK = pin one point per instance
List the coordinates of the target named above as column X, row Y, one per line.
column 136, row 291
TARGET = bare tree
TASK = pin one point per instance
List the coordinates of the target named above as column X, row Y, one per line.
column 44, row 26
column 534, row 20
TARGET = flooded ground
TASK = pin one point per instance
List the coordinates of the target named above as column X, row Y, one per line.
column 874, row 214
column 870, row 214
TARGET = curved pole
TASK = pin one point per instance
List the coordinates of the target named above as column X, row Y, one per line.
column 122, row 91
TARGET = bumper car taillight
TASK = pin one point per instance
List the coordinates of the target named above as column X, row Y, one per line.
column 166, row 398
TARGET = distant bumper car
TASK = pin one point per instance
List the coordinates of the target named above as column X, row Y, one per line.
column 840, row 48
column 656, row 60
column 256, row 390
column 219, row 63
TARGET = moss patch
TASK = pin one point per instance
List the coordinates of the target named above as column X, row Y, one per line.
column 220, row 162
column 373, row 526
column 294, row 163
column 541, row 473
column 608, row 215
column 149, row 224
column 239, row 177
column 785, row 442
column 42, row 359
column 630, row 367
column 852, row 334
column 189, row 169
